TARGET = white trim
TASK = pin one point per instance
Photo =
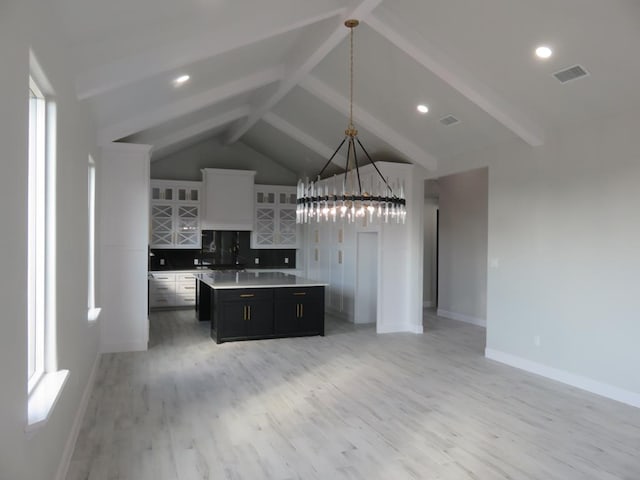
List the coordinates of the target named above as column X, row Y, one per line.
column 127, row 147
column 481, row 322
column 578, row 381
column 63, row 466
column 417, row 329
column 93, row 314
column 43, row 399
column 139, row 346
column 399, row 328
column 428, row 304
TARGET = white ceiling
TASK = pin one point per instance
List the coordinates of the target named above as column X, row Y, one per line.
column 274, row 75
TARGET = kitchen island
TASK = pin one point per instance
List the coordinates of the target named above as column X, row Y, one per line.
column 258, row 305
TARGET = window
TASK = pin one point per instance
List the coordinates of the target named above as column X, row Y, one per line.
column 37, row 243
column 44, row 381
column 91, row 184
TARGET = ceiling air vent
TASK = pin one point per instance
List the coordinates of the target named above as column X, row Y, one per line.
column 571, row 73
column 449, row 120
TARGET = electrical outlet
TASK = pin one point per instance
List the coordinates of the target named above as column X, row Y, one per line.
column 257, row 260
column 286, row 260
column 195, row 261
column 161, row 261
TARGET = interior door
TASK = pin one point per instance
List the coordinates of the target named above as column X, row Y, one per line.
column 366, row 299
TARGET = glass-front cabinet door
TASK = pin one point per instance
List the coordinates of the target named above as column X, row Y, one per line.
column 175, row 214
column 188, row 227
column 275, row 217
column 187, row 194
column 161, row 225
column 159, row 192
column 287, row 227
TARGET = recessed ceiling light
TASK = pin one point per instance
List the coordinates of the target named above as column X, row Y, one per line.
column 181, row 80
column 423, row 108
column 543, row 51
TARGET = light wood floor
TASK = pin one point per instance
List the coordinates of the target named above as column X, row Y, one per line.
column 351, row 405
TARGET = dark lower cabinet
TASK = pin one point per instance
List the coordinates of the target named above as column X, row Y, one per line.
column 243, row 314
column 299, row 311
column 249, row 314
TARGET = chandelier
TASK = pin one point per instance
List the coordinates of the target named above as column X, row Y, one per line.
column 345, row 199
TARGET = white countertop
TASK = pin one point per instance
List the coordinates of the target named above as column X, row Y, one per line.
column 228, row 280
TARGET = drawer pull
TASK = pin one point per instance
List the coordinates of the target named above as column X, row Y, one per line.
column 300, row 293
column 189, row 288
column 247, row 295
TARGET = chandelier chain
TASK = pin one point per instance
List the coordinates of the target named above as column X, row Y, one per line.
column 351, row 80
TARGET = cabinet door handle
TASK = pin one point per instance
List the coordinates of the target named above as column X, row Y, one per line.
column 300, row 293
column 297, row 310
column 244, row 312
column 301, row 310
column 247, row 295
column 249, row 309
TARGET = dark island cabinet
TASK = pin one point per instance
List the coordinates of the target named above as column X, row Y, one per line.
column 244, row 313
column 255, row 313
column 299, row 311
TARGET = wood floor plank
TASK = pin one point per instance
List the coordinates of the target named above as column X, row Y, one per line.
column 350, row 405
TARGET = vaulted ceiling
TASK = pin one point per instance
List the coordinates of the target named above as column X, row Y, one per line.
column 274, row 75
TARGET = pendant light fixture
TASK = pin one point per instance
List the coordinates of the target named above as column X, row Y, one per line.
column 345, row 198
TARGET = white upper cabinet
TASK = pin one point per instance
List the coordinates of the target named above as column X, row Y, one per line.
column 228, row 199
column 275, row 217
column 175, row 214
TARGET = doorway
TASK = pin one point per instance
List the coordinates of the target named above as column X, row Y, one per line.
column 366, row 299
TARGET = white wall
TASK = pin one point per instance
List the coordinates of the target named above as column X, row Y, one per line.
column 429, row 261
column 38, row 456
column 563, row 256
column 124, row 218
column 186, row 164
column 462, row 263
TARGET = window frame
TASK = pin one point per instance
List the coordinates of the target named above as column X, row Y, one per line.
column 44, row 381
column 93, row 310
column 37, row 236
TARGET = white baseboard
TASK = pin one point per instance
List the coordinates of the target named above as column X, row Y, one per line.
column 584, row 383
column 427, row 304
column 67, row 454
column 481, row 322
column 419, row 329
column 399, row 328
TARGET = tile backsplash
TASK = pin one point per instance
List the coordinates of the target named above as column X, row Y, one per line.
column 220, row 249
